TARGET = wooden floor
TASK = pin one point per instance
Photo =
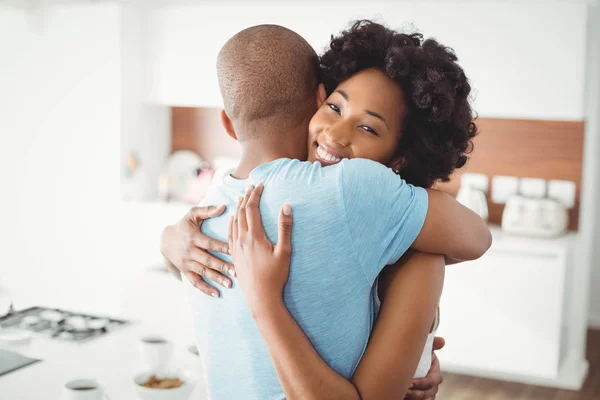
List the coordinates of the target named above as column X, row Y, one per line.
column 459, row 387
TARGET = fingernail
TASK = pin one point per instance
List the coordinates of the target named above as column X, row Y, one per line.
column 287, row 209
column 249, row 188
column 232, row 272
column 226, row 283
column 214, row 295
column 412, row 385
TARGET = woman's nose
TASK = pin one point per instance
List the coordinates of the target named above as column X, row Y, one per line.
column 337, row 134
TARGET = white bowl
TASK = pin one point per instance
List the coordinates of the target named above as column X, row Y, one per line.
column 183, row 392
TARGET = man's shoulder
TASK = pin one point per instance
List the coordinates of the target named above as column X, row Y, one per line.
column 363, row 166
column 283, row 167
column 289, row 171
column 286, row 168
column 360, row 174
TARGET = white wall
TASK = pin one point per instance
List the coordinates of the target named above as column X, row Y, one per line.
column 145, row 128
column 525, row 59
column 59, row 152
column 591, row 248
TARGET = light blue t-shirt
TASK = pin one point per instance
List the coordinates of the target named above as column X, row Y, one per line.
column 350, row 220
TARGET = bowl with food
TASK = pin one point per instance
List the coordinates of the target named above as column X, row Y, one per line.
column 169, row 384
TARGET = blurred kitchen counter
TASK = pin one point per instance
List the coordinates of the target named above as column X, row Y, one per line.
column 151, row 299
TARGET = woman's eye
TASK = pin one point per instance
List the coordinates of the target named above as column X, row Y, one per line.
column 370, row 130
column 334, row 107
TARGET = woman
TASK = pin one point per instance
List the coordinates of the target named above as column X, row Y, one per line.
column 397, row 101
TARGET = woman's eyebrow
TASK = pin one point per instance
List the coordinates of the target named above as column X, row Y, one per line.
column 374, row 114
column 344, row 95
column 368, row 112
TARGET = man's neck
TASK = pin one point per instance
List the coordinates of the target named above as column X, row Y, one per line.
column 260, row 151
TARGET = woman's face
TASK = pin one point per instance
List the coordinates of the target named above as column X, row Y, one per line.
column 362, row 118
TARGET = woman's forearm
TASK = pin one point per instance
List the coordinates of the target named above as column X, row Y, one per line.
column 411, row 289
column 301, row 371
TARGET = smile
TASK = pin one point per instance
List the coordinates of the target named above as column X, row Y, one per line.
column 325, row 157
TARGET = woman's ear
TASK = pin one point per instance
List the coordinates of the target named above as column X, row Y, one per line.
column 321, row 95
column 226, row 122
column 397, row 164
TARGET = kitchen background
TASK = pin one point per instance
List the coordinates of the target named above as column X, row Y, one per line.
column 96, row 95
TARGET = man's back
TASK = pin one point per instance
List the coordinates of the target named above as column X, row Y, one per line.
column 334, row 263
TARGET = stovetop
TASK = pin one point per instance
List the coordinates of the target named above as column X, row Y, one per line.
column 61, row 324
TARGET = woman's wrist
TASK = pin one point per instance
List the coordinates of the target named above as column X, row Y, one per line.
column 267, row 307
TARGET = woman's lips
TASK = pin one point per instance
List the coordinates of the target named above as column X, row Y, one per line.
column 325, row 156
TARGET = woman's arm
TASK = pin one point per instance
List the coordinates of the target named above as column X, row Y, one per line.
column 452, row 229
column 412, row 290
column 301, row 371
column 262, row 272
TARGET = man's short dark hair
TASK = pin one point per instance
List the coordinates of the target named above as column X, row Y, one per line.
column 267, row 74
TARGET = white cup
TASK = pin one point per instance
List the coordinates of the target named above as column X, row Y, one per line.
column 84, row 389
column 155, row 352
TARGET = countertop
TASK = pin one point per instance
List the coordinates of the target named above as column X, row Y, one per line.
column 155, row 303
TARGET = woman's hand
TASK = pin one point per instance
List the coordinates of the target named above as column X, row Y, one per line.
column 186, row 248
column 261, row 267
column 427, row 388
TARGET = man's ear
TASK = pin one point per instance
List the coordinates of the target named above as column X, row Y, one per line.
column 321, row 95
column 226, row 122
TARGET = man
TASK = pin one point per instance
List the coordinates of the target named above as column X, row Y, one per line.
column 268, row 79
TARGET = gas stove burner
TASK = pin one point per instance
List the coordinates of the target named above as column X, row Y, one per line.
column 31, row 320
column 100, row 323
column 76, row 323
column 51, row 315
column 61, row 324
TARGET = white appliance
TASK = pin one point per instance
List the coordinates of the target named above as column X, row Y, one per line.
column 471, row 194
column 473, row 199
column 536, row 217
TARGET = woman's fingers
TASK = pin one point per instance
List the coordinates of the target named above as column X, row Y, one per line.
column 284, row 243
column 427, row 386
column 199, row 214
column 422, row 395
column 242, row 222
column 209, row 261
column 438, row 342
column 230, row 233
column 235, row 236
column 199, row 284
column 201, row 244
column 204, row 242
column 236, row 231
column 255, row 227
column 210, row 274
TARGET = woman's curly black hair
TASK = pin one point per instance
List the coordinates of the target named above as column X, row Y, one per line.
column 438, row 126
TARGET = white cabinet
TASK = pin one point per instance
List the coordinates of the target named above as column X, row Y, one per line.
column 503, row 316
column 503, row 313
column 510, row 77
column 184, row 41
